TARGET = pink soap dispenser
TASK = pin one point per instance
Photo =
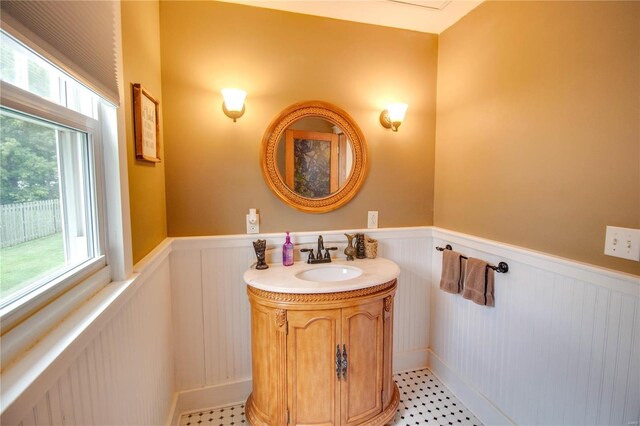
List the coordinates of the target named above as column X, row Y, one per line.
column 287, row 252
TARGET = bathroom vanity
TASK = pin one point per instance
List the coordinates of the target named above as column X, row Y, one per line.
column 322, row 343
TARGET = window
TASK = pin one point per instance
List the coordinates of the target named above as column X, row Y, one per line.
column 50, row 178
column 47, row 205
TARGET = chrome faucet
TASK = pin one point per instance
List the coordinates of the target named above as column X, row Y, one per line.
column 319, row 258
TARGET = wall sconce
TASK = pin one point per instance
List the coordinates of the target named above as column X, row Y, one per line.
column 233, row 104
column 392, row 117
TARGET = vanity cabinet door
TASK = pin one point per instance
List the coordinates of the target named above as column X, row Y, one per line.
column 362, row 335
column 313, row 389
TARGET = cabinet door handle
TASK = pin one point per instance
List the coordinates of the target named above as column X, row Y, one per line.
column 338, row 361
column 344, row 362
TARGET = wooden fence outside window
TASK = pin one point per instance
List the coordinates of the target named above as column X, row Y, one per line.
column 22, row 222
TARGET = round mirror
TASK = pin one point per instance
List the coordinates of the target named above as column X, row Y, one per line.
column 314, row 156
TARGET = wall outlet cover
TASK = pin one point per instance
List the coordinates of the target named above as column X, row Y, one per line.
column 623, row 243
column 372, row 219
column 253, row 228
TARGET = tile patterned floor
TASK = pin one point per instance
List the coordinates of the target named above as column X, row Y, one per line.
column 424, row 400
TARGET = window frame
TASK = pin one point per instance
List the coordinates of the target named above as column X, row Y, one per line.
column 24, row 102
column 25, row 351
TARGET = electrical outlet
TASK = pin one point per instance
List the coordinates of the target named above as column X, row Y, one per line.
column 372, row 219
column 622, row 242
column 253, row 227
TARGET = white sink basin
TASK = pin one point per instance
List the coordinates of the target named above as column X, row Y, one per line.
column 339, row 275
column 329, row 273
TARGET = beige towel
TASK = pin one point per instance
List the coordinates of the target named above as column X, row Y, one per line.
column 451, row 267
column 478, row 282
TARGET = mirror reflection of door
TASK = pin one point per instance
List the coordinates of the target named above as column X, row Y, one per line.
column 344, row 159
column 312, row 162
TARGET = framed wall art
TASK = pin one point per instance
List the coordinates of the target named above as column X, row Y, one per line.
column 146, row 125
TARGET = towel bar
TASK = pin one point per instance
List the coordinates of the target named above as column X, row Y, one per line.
column 502, row 267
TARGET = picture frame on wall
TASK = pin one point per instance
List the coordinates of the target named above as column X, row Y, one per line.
column 146, row 125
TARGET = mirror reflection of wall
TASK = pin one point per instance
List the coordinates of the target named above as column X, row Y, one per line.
column 314, row 157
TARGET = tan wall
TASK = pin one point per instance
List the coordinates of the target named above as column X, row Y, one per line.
column 141, row 56
column 538, row 126
column 213, row 165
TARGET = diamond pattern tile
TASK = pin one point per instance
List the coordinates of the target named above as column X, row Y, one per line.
column 424, row 400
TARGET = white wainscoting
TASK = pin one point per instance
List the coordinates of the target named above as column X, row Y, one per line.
column 119, row 370
column 212, row 317
column 561, row 346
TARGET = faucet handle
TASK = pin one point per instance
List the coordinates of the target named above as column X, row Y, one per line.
column 326, row 252
column 311, row 256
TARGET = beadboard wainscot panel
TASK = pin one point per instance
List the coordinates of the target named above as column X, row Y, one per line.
column 119, row 369
column 227, row 314
column 411, row 251
column 561, row 346
column 187, row 315
column 218, row 326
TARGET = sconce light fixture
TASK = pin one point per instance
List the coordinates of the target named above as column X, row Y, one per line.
column 392, row 117
column 233, row 104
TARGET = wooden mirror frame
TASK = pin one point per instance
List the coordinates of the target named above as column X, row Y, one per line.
column 276, row 182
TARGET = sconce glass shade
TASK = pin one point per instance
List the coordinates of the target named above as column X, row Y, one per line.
column 233, row 105
column 397, row 112
column 393, row 116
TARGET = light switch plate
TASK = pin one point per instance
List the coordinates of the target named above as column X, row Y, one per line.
column 253, row 228
column 372, row 219
column 622, row 242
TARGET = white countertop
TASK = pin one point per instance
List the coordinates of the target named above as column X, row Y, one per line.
column 282, row 279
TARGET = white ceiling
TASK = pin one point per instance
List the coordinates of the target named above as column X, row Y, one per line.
column 427, row 16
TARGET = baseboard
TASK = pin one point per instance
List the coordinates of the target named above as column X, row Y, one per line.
column 410, row 361
column 476, row 402
column 199, row 399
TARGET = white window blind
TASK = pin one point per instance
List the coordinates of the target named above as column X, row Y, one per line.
column 79, row 36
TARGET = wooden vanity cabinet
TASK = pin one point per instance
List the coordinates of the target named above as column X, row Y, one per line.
column 299, row 343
